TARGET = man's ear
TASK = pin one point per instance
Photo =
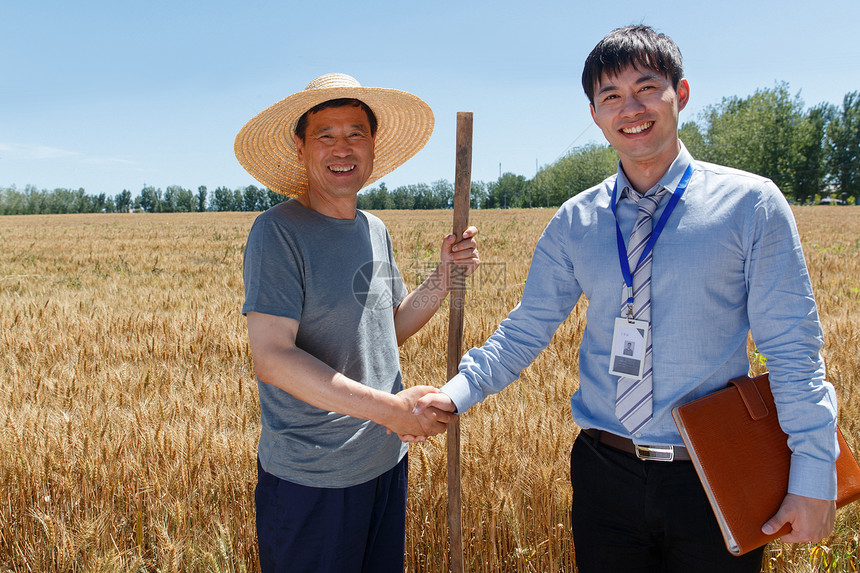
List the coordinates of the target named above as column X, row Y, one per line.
column 593, row 114
column 299, row 147
column 683, row 91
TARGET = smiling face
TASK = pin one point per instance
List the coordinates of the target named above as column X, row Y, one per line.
column 337, row 152
column 637, row 111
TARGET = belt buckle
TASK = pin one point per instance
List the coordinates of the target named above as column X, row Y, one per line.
column 655, row 453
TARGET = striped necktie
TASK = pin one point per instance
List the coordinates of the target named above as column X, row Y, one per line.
column 633, row 405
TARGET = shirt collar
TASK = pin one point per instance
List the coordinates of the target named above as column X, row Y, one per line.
column 669, row 180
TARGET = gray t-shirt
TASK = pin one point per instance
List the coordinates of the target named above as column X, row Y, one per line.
column 338, row 279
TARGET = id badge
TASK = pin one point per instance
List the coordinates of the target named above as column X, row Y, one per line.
column 629, row 341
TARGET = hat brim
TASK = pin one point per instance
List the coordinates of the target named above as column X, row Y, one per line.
column 266, row 149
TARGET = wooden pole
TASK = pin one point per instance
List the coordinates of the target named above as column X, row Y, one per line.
column 462, row 189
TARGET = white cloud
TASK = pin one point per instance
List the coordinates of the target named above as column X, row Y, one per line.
column 25, row 151
column 30, row 152
column 108, row 161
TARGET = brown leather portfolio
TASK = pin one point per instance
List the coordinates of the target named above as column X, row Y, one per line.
column 742, row 457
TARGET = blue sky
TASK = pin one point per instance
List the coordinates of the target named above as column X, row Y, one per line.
column 117, row 95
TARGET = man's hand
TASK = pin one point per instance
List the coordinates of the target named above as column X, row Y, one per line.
column 463, row 252
column 428, row 404
column 415, row 310
column 810, row 519
column 412, row 428
column 433, row 407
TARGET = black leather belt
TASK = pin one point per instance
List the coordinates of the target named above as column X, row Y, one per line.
column 643, row 452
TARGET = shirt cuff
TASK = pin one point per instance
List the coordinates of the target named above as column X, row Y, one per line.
column 460, row 392
column 812, row 478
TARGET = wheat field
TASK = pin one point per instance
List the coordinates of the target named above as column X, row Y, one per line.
column 129, row 416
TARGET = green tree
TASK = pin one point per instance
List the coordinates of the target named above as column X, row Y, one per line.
column 123, row 201
column 374, row 199
column 842, row 147
column 150, row 199
column 810, row 169
column 27, row 202
column 11, row 201
column 582, row 168
column 693, row 139
column 442, row 194
column 223, row 199
column 81, row 202
column 402, row 198
column 478, row 195
column 757, row 134
column 274, row 198
column 177, row 199
column 251, row 198
column 100, row 203
column 423, row 196
column 507, row 192
column 201, row 198
column 185, row 200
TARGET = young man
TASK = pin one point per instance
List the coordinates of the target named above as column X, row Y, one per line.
column 723, row 260
column 326, row 310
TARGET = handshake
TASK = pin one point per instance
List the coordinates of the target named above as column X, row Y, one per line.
column 422, row 411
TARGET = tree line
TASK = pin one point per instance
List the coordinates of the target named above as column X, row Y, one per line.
column 174, row 199
column 811, row 154
column 807, row 153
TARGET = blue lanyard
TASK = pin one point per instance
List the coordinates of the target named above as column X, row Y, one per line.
column 622, row 249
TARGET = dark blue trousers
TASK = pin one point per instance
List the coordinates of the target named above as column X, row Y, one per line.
column 358, row 529
column 644, row 516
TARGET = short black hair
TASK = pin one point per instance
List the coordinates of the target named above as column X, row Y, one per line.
column 302, row 123
column 637, row 46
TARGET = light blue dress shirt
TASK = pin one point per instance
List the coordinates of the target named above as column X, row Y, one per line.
column 729, row 262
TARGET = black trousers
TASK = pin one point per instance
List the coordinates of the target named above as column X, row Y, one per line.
column 357, row 529
column 644, row 516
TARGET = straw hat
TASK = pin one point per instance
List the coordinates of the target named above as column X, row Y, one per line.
column 266, row 149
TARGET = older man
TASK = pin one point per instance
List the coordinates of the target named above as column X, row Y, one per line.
column 326, row 311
